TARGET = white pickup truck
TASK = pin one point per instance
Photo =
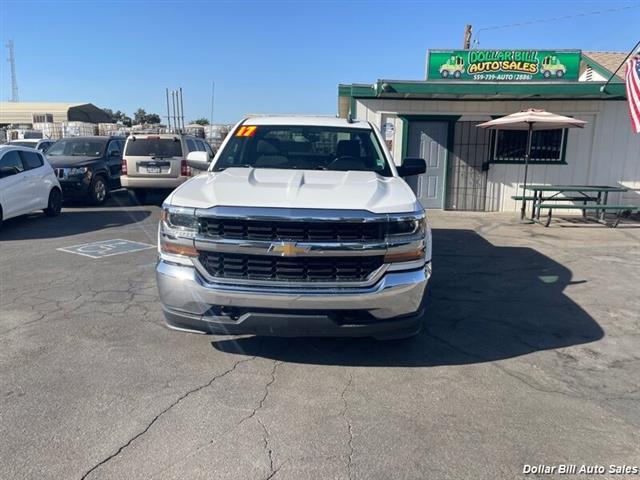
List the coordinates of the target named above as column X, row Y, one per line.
column 300, row 226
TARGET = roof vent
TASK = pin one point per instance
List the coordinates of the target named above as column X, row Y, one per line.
column 589, row 73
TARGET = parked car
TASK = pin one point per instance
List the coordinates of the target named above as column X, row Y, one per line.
column 158, row 161
column 41, row 144
column 87, row 167
column 301, row 226
column 27, row 183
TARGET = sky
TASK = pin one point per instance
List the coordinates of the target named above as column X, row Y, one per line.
column 270, row 56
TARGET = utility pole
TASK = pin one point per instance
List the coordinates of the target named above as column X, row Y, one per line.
column 12, row 62
column 175, row 118
column 213, row 87
column 181, row 107
column 466, row 42
column 168, row 113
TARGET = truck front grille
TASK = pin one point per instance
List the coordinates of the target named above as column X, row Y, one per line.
column 236, row 229
column 290, row 269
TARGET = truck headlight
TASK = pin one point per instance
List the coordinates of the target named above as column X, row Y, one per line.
column 179, row 221
column 406, row 226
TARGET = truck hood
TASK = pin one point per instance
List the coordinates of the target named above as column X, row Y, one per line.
column 277, row 188
column 59, row 161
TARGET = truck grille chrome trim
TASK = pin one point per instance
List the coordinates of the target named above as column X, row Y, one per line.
column 302, row 231
column 290, row 269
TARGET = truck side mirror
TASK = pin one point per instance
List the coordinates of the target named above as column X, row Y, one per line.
column 198, row 160
column 412, row 166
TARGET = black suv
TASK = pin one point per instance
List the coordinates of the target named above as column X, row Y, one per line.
column 87, row 167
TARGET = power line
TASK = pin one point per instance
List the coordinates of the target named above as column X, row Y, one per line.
column 476, row 41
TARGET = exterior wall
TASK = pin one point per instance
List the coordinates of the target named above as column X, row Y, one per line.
column 605, row 152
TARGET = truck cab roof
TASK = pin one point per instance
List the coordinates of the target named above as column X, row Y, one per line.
column 321, row 121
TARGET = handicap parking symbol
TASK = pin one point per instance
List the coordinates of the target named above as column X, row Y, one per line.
column 106, row 248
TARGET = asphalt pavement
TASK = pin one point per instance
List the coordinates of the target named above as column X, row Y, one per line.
column 530, row 355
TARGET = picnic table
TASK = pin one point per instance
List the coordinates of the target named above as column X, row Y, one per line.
column 588, row 197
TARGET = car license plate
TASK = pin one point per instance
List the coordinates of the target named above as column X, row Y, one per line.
column 153, row 169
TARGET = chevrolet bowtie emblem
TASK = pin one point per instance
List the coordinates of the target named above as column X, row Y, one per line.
column 288, row 249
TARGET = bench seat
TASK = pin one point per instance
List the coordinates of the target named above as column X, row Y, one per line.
column 590, row 206
column 602, row 208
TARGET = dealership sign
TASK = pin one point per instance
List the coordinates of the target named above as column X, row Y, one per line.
column 503, row 65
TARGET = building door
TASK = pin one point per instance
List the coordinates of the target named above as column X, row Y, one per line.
column 428, row 140
column 466, row 175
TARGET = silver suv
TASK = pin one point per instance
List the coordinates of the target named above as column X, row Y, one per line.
column 158, row 161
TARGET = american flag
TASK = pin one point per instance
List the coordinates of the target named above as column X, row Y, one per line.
column 632, row 79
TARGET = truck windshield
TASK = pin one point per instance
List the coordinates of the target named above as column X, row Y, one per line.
column 304, row 148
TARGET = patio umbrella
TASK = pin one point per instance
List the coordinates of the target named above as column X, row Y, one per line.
column 531, row 120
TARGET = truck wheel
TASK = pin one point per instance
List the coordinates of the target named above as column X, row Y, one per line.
column 444, row 73
column 546, row 74
column 55, row 203
column 456, row 74
column 559, row 73
column 141, row 195
column 98, row 190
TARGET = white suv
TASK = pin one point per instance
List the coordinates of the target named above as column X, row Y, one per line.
column 158, row 161
column 27, row 183
column 301, row 226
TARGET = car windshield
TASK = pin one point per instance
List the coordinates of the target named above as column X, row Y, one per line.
column 77, row 147
column 305, row 148
column 154, row 147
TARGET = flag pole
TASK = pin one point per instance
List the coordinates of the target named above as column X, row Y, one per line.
column 631, row 52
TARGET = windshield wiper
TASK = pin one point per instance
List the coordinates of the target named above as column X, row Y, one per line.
column 220, row 169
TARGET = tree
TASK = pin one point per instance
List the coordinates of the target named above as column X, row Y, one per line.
column 118, row 117
column 201, row 121
column 152, row 118
column 140, row 116
column 123, row 118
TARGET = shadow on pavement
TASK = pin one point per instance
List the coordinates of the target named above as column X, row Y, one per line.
column 122, row 198
column 487, row 303
column 39, row 226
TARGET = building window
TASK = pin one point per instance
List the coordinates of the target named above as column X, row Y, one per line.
column 547, row 146
column 42, row 118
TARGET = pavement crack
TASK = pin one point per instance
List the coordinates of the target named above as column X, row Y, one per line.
column 167, row 409
column 265, row 437
column 345, row 414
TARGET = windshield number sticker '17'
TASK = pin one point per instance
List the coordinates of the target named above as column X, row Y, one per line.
column 246, row 131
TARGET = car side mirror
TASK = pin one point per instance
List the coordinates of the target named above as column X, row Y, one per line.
column 412, row 166
column 198, row 160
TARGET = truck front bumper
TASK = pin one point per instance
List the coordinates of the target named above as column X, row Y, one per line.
column 391, row 308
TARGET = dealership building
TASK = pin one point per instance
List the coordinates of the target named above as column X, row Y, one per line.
column 469, row 168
